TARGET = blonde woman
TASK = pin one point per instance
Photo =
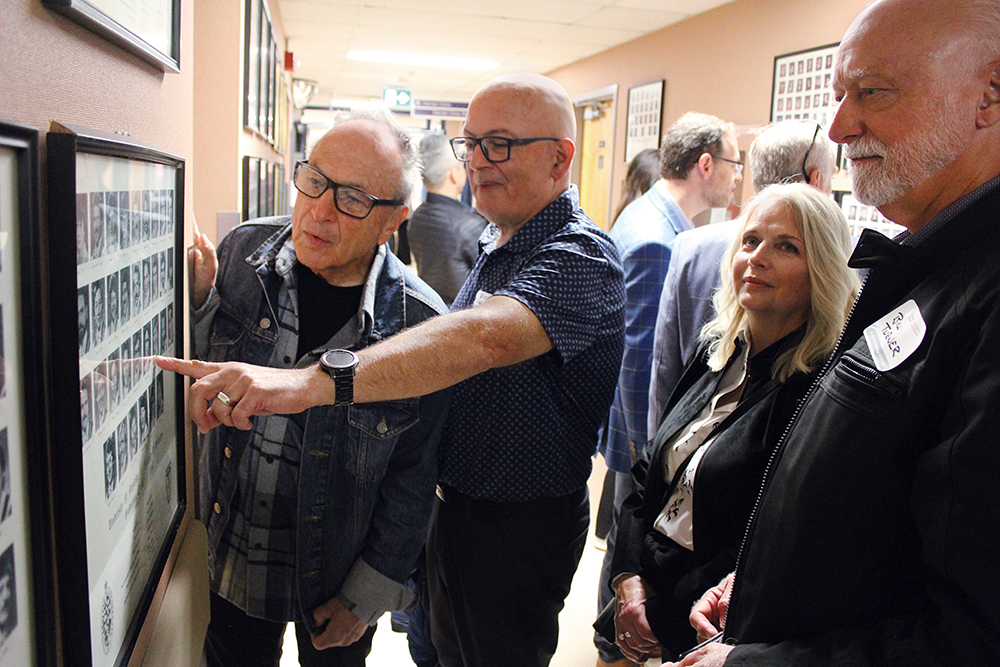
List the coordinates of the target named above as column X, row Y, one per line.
column 786, row 292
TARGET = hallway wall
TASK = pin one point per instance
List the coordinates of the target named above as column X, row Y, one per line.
column 719, row 62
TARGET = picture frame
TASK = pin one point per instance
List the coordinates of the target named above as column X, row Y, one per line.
column 264, row 87
column 27, row 594
column 251, row 68
column 643, row 122
column 251, row 187
column 149, row 29
column 115, row 220
column 801, row 86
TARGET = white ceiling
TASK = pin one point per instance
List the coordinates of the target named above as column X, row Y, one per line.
column 522, row 35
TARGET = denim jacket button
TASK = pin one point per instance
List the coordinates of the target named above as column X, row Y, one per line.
column 265, row 323
column 217, row 508
column 228, row 452
column 382, row 427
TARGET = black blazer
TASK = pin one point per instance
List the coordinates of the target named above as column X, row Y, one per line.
column 726, row 485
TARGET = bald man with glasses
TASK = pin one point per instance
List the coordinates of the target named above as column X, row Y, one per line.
column 316, row 518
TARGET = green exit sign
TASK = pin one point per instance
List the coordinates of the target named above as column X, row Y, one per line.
column 394, row 97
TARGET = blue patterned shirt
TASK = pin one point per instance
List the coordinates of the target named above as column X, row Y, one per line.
column 529, row 430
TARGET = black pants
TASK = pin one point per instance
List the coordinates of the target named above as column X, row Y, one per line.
column 498, row 574
column 237, row 640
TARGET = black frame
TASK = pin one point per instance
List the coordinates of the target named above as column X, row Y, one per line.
column 264, row 90
column 23, row 142
column 634, row 145
column 65, row 150
column 810, row 113
column 114, row 30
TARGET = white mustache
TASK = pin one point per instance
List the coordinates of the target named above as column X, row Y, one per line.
column 863, row 148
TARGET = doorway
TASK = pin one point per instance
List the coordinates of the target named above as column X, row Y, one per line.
column 596, row 123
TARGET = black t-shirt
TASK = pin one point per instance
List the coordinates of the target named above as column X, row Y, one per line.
column 323, row 308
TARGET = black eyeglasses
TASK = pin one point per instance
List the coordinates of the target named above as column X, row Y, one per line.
column 805, row 174
column 495, row 149
column 739, row 165
column 350, row 201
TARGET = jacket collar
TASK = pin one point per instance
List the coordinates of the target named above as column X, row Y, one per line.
column 382, row 309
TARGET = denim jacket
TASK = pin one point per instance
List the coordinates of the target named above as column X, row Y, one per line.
column 366, row 473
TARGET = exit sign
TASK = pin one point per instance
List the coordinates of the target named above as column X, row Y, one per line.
column 394, row 97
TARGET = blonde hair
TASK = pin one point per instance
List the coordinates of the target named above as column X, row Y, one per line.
column 833, row 285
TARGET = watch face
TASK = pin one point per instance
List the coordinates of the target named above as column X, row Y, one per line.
column 339, row 359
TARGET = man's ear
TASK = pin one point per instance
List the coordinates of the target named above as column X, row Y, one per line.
column 392, row 223
column 704, row 164
column 988, row 113
column 819, row 180
column 563, row 158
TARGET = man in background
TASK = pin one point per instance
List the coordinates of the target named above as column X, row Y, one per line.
column 700, row 169
column 444, row 232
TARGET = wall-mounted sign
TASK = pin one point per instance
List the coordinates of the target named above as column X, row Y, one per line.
column 394, row 97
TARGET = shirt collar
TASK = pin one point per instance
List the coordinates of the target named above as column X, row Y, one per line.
column 944, row 217
column 538, row 228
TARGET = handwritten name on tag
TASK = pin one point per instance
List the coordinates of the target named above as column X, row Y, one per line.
column 896, row 336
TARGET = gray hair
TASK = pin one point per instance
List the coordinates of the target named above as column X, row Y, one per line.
column 777, row 153
column 693, row 135
column 409, row 172
column 436, row 159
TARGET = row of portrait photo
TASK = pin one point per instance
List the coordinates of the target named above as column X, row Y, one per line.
column 112, row 301
column 104, row 390
column 107, row 222
column 132, row 432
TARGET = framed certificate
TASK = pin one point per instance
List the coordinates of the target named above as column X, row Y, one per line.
column 27, row 635
column 151, row 29
column 115, row 248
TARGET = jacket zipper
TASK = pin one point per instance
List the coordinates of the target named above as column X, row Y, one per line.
column 780, row 446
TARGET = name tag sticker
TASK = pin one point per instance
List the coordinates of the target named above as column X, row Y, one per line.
column 480, row 297
column 896, row 336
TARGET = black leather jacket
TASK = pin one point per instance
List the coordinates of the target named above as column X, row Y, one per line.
column 877, row 537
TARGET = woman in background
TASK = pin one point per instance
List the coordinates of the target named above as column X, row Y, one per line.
column 643, row 171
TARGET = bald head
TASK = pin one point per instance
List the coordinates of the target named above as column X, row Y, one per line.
column 538, row 103
column 959, row 34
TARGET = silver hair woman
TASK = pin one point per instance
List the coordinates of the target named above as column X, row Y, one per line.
column 785, row 294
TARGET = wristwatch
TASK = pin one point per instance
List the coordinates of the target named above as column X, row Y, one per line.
column 340, row 365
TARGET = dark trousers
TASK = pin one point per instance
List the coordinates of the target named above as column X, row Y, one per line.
column 237, row 640
column 498, row 574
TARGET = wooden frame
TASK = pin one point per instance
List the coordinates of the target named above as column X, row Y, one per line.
column 643, row 122
column 28, row 596
column 150, row 30
column 115, row 220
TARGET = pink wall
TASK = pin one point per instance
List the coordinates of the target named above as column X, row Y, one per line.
column 720, row 62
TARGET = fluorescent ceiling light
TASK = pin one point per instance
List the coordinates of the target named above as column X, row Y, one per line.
column 421, row 59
